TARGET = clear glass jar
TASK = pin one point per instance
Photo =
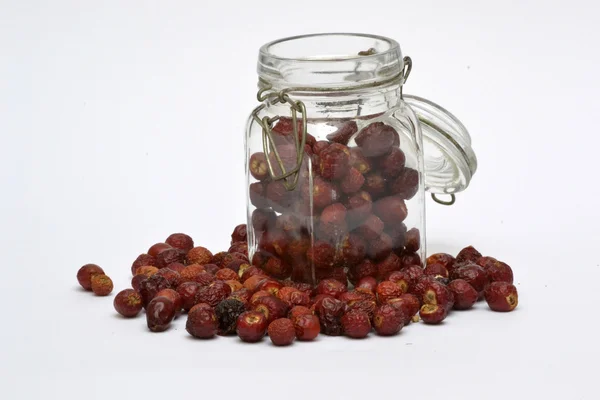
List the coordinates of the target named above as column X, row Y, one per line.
column 338, row 160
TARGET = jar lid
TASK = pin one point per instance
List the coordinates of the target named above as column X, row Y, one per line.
column 449, row 160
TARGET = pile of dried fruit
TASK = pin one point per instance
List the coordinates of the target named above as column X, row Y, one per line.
column 223, row 294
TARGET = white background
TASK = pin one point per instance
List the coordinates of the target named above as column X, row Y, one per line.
column 123, row 121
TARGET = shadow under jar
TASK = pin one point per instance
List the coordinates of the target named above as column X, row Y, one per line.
column 338, row 160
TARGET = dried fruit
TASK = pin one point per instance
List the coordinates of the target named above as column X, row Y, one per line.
column 409, row 259
column 364, row 269
column 242, row 295
column 241, row 248
column 278, row 196
column 128, row 303
column 344, row 132
column 371, row 228
column 352, row 182
column 191, row 271
column 502, row 296
column 436, row 270
column 227, row 274
column 388, row 320
column 437, row 294
column 235, row 285
column 159, row 314
column 277, row 268
column 239, row 234
column 323, row 193
column 136, row 281
column 176, row 266
column 359, row 161
column 173, row 296
column 414, row 273
column 169, row 256
column 213, row 294
column 358, row 206
column 380, row 248
column 255, row 298
column 389, row 264
column 146, row 270
column 319, row 146
column 262, row 219
column 330, row 312
column 433, row 314
column 211, row 268
column 250, row 271
column 497, row 271
column 401, row 279
column 251, row 326
column 397, row 233
column 156, row 248
column 330, row 287
column 180, row 241
column 257, row 193
column 473, row 274
column 141, row 260
column 387, row 290
column 188, row 292
column 282, row 332
column 297, row 311
column 356, row 324
column 252, row 283
column 201, row 321
column 227, row 312
column 376, row 139
column 86, row 273
column 392, row 164
column 464, row 294
column 334, row 161
column 307, row 327
column 272, row 307
column 368, row 282
column 391, row 210
column 374, row 184
column 469, row 253
column 408, row 304
column 171, row 276
column 406, row 184
column 413, row 240
column 445, row 259
column 352, row 250
column 199, row 255
column 322, row 254
column 258, row 166
column 102, row 285
column 367, row 306
column 151, row 286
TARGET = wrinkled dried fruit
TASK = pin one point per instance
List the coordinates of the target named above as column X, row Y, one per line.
column 204, row 278
column 388, row 320
column 307, row 327
column 343, row 133
column 389, row 264
column 270, row 286
column 188, row 292
column 319, row 146
column 368, row 282
column 177, row 267
column 242, row 295
column 401, row 279
column 159, row 314
column 469, row 253
column 102, row 285
column 445, row 259
column 352, row 182
column 173, row 296
column 251, row 326
column 239, row 234
column 323, row 193
column 433, row 314
column 358, row 206
column 257, row 193
column 330, row 312
column 497, row 271
column 227, row 274
column 258, row 166
column 180, row 241
column 252, row 283
column 371, row 228
column 376, row 139
column 359, row 161
column 367, row 306
column 255, row 298
column 85, row 274
column 418, row 288
column 330, row 287
column 169, row 256
column 408, row 304
column 239, row 249
column 392, row 164
column 249, row 272
column 128, row 303
column 334, row 161
column 272, row 308
column 201, row 321
column 213, row 294
column 322, row 254
column 380, row 248
column 235, row 285
column 375, row 185
column 171, row 276
column 473, row 274
column 262, row 219
column 409, row 259
column 397, row 233
column 297, row 311
column 199, row 255
column 151, row 286
column 391, row 210
column 356, row 324
column 282, row 332
column 227, row 312
column 146, row 270
column 387, row 290
column 156, row 248
column 141, row 260
column 414, row 273
column 413, row 240
column 277, row 268
column 437, row 294
column 191, row 271
column 501, row 296
column 406, row 185
column 211, row 268
column 436, row 270
column 136, row 282
column 464, row 294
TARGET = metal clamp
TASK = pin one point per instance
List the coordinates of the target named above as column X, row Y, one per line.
column 444, row 202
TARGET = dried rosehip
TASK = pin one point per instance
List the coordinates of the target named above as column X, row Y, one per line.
column 392, row 164
column 199, row 255
column 391, row 210
column 257, row 193
column 502, row 296
column 258, row 166
column 236, row 263
column 368, row 282
column 272, row 308
column 146, row 270
column 297, row 311
column 282, row 332
column 239, row 234
column 387, row 265
column 359, row 161
column 86, row 273
column 375, row 185
column 169, row 256
column 177, row 267
column 173, row 296
column 433, row 313
column 180, row 241
column 151, row 286
column 330, row 312
column 397, row 233
column 262, row 219
column 414, row 273
column 409, row 259
column 376, row 139
column 201, row 322
column 171, row 276
column 436, row 270
column 387, row 290
column 418, row 288
column 406, row 184
column 408, row 304
column 371, row 228
column 307, row 327
column 188, row 292
column 438, row 294
column 469, row 253
column 356, row 324
column 227, row 312
column 211, row 268
column 136, row 281
column 352, row 182
column 277, row 268
column 190, row 272
column 242, row 295
column 445, row 259
column 401, row 279
column 255, row 298
column 322, row 254
column 473, row 274
column 128, row 303
column 358, row 206
column 413, row 240
column 344, row 132
column 352, row 250
column 252, row 283
column 204, row 278
column 367, row 306
column 141, row 260
column 213, row 294
column 380, row 248
column 331, row 287
column 464, row 294
column 102, row 285
column 497, row 270
column 159, row 314
column 234, row 285
column 334, row 161
column 250, row 272
column 364, row 269
column 239, row 248
column 278, row 196
column 227, row 274
column 156, row 248
column 251, row 326
column 388, row 320
column 319, row 146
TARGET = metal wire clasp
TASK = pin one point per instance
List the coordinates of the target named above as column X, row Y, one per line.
column 289, row 178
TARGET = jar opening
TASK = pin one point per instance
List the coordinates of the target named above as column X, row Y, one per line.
column 329, row 60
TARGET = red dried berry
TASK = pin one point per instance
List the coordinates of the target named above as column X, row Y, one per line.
column 391, row 210
column 418, row 288
column 255, row 298
column 438, row 294
column 356, row 324
column 334, row 161
column 319, row 146
column 330, row 287
column 364, row 269
column 177, row 267
column 409, row 259
column 201, row 322
column 502, row 296
column 406, row 185
column 171, row 276
column 257, row 193
column 272, row 308
column 473, row 274
column 388, row 264
column 436, row 270
column 352, row 182
column 180, row 241
column 433, row 314
column 323, row 193
column 239, row 248
column 173, row 296
column 469, row 253
column 497, row 270
column 213, row 294
column 140, row 261
column 258, row 166
column 464, row 294
column 397, row 233
column 102, row 285
column 358, row 206
column 376, row 139
column 136, row 281
column 251, row 326
column 151, row 286
column 278, row 196
column 352, row 250
column 211, row 268
column 366, row 306
column 388, row 320
column 371, row 228
column 262, row 219
column 239, row 234
column 408, row 304
column 156, row 248
column 86, row 273
column 387, row 290
column 128, row 303
column 343, row 133
column 307, row 327
column 270, row 286
column 277, row 268
column 159, row 314
column 282, row 332
column 445, row 259
column 252, row 283
column 234, row 285
column 368, row 282
column 146, row 270
column 199, row 255
column 392, row 164
column 297, row 311
column 169, row 256
column 414, row 273
column 413, row 240
column 330, row 312
column 242, row 295
column 380, row 248
column 322, row 255
column 251, row 271
column 188, row 292
column 227, row 274
column 401, row 279
column 359, row 161
column 189, row 273
column 375, row 185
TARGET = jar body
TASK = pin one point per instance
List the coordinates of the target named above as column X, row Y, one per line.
column 355, row 208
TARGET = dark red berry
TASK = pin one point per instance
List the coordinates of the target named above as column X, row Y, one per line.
column 85, row 274
column 262, row 219
column 282, row 332
column 388, row 265
column 239, row 234
column 436, row 270
column 388, row 320
column 128, row 303
column 343, row 133
column 199, row 255
column 376, row 139
column 387, row 290
column 371, row 228
column 330, row 312
column 413, row 240
column 380, row 248
column 502, row 296
column 438, row 294
column 391, row 210
column 307, row 327
column 356, row 324
column 433, row 314
column 374, row 184
column 251, row 326
column 169, row 256
column 150, row 287
column 473, row 274
column 201, row 321
column 468, row 254
column 173, row 296
column 319, row 146
column 401, row 279
column 171, row 276
column 445, row 259
column 227, row 312
column 414, row 273
column 156, row 248
column 322, row 254
column 409, row 259
column 334, row 161
column 464, row 294
column 352, row 182
column 257, row 194
column 406, row 185
column 213, row 294
column 136, row 282
column 180, row 241
column 159, row 314
column 188, row 292
column 272, row 307
column 408, row 304
column 497, row 270
column 368, row 282
column 142, row 260
column 359, row 161
column 330, row 287
column 392, row 165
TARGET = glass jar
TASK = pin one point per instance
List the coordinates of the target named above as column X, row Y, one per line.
column 338, row 160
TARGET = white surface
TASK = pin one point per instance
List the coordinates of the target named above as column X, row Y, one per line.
column 122, row 122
